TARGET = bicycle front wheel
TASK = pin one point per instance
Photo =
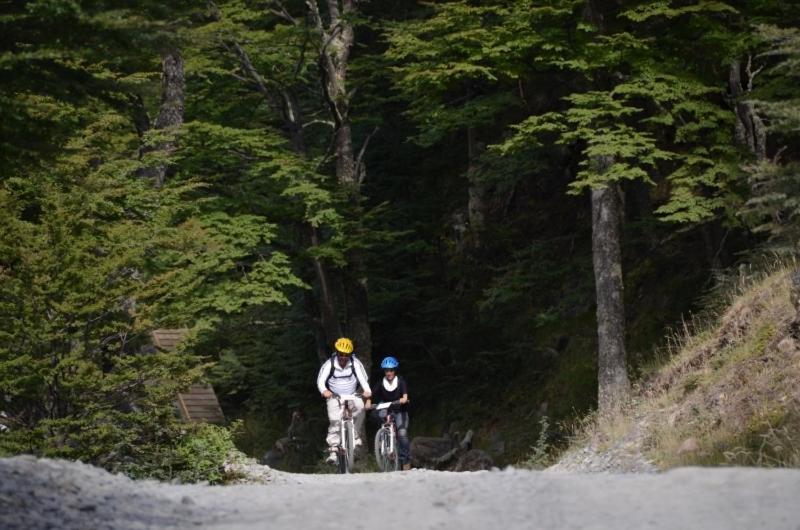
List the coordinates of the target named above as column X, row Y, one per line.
column 380, row 448
column 392, row 456
column 349, row 444
column 385, row 452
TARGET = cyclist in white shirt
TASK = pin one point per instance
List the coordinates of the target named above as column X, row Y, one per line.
column 342, row 374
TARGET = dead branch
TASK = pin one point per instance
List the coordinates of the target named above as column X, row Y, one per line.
column 360, row 171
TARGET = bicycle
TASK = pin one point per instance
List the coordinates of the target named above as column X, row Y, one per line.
column 345, row 452
column 386, row 453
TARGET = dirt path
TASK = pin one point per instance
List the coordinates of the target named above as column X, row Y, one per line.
column 38, row 494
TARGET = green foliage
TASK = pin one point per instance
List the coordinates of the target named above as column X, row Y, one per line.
column 200, row 452
column 540, row 452
column 458, row 66
column 655, row 119
column 93, row 257
column 773, row 207
column 667, row 10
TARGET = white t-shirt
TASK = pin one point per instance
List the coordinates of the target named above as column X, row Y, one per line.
column 345, row 380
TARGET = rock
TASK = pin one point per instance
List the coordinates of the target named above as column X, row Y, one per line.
column 787, row 346
column 498, row 444
column 689, row 445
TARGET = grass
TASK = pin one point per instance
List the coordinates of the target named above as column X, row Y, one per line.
column 728, row 392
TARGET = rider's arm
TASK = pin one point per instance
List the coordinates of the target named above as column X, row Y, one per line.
column 404, row 391
column 322, row 377
column 361, row 375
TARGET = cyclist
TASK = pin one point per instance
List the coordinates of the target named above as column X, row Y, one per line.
column 394, row 388
column 342, row 374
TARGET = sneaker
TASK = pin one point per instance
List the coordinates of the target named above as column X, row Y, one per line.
column 357, row 443
column 331, row 458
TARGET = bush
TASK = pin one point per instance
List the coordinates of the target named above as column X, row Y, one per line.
column 201, row 452
column 539, row 457
column 194, row 452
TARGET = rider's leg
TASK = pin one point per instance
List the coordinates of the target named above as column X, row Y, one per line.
column 358, row 418
column 377, row 417
column 334, row 417
column 403, row 441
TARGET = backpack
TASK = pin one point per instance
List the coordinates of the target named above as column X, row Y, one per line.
column 333, row 368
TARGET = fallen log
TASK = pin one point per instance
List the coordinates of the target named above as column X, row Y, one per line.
column 463, row 446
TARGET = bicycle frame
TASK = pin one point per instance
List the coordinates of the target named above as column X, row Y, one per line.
column 386, row 445
column 346, row 449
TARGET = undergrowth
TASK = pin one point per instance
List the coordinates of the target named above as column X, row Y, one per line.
column 726, row 392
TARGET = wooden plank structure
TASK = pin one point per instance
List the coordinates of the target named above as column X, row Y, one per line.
column 168, row 339
column 199, row 403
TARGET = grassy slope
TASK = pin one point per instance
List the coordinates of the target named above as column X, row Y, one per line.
column 729, row 396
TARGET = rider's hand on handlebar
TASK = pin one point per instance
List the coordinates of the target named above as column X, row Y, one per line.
column 403, row 400
column 327, row 393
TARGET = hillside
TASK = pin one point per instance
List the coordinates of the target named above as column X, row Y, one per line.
column 728, row 396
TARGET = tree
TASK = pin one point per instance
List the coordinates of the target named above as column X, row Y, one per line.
column 462, row 66
column 308, row 80
column 335, row 40
column 641, row 115
column 773, row 207
column 95, row 257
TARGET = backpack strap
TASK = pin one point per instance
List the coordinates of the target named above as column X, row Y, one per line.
column 333, row 367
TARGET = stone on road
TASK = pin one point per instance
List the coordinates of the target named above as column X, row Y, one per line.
column 42, row 494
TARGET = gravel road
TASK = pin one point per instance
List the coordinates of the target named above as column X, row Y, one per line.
column 39, row 494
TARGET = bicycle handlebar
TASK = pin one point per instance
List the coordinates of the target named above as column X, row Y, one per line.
column 346, row 397
column 387, row 404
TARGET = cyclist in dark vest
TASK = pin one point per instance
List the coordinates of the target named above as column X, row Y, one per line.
column 342, row 374
column 394, row 388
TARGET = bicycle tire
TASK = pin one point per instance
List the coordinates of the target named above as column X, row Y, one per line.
column 381, row 456
column 341, row 462
column 387, row 459
column 378, row 448
column 349, row 444
column 392, row 455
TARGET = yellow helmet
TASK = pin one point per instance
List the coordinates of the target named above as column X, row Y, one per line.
column 344, row 346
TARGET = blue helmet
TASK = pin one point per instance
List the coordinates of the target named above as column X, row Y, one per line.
column 389, row 363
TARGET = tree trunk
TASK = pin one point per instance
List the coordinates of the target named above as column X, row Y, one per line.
column 750, row 129
column 478, row 202
column 337, row 38
column 356, row 300
column 170, row 115
column 312, row 310
column 322, row 312
column 330, row 323
column 612, row 375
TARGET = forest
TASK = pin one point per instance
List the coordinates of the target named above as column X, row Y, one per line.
column 518, row 199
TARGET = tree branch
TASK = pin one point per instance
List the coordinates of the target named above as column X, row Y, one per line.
column 282, row 13
column 323, row 122
column 360, row 171
column 247, row 66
